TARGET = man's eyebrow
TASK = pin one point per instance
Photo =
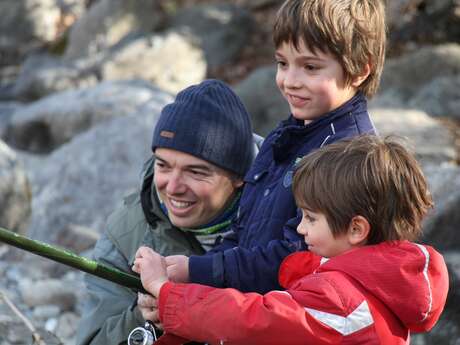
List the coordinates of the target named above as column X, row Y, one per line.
column 200, row 167
column 204, row 167
column 155, row 156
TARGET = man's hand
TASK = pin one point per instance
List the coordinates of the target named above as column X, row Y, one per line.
column 152, row 268
column 148, row 306
column 177, row 268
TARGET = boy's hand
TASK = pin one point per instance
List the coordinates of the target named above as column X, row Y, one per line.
column 148, row 306
column 177, row 268
column 152, row 268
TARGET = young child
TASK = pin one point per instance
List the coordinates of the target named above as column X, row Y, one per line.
column 362, row 281
column 330, row 55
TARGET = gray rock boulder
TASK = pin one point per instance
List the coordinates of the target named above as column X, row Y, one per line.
column 46, row 124
column 406, row 75
column 42, row 75
column 108, row 22
column 222, row 30
column 431, row 141
column 15, row 192
column 170, row 61
column 27, row 23
column 6, row 112
column 263, row 99
column 83, row 181
column 441, row 97
column 48, row 292
column 441, row 227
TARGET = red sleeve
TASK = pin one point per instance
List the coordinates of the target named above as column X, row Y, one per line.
column 212, row 315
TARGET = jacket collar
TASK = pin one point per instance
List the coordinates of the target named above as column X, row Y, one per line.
column 289, row 131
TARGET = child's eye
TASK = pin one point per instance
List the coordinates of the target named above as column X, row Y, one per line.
column 309, row 218
column 310, row 67
column 280, row 63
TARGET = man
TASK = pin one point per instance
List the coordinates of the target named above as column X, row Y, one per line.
column 203, row 146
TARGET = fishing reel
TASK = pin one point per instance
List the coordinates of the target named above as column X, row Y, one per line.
column 143, row 335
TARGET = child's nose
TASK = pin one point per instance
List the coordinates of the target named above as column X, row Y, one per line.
column 301, row 229
column 291, row 79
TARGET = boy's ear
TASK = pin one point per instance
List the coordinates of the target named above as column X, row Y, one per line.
column 358, row 230
column 360, row 78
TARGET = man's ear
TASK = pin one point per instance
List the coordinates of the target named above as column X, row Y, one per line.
column 358, row 230
column 360, row 78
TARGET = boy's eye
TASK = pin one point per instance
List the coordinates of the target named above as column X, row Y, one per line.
column 280, row 63
column 310, row 67
column 309, row 218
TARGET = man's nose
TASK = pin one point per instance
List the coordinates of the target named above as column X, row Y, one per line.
column 175, row 184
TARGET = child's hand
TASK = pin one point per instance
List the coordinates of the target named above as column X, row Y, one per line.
column 177, row 268
column 152, row 268
column 148, row 306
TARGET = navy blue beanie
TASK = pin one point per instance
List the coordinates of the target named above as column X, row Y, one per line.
column 208, row 121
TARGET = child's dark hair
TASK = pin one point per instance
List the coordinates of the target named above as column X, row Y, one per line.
column 353, row 31
column 367, row 176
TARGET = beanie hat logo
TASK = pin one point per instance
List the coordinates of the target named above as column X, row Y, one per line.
column 167, row 134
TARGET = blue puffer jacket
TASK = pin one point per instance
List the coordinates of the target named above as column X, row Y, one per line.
column 265, row 230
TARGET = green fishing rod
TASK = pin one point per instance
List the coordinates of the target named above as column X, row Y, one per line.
column 68, row 258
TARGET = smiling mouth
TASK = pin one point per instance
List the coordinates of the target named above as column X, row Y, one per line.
column 180, row 204
column 296, row 100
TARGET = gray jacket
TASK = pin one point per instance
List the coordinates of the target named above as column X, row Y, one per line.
column 107, row 317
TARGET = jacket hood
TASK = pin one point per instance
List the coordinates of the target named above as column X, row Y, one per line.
column 408, row 278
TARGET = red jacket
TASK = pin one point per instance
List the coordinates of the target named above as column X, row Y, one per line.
column 370, row 295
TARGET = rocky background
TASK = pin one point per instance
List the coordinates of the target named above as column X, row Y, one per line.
column 82, row 83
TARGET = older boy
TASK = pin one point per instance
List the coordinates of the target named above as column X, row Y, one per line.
column 330, row 55
column 361, row 282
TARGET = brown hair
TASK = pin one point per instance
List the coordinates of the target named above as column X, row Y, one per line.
column 375, row 178
column 353, row 31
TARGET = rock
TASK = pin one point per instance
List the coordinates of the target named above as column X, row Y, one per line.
column 169, row 61
column 48, row 123
column 263, row 99
column 431, row 142
column 6, row 111
column 26, row 24
column 46, row 311
column 441, row 97
column 77, row 238
column 15, row 192
column 407, row 74
column 423, row 22
column 83, row 181
column 48, row 292
column 42, row 75
column 222, row 30
column 440, row 228
column 67, row 325
column 107, row 22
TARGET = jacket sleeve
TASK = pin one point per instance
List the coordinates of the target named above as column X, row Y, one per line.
column 254, row 269
column 106, row 317
column 195, row 312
